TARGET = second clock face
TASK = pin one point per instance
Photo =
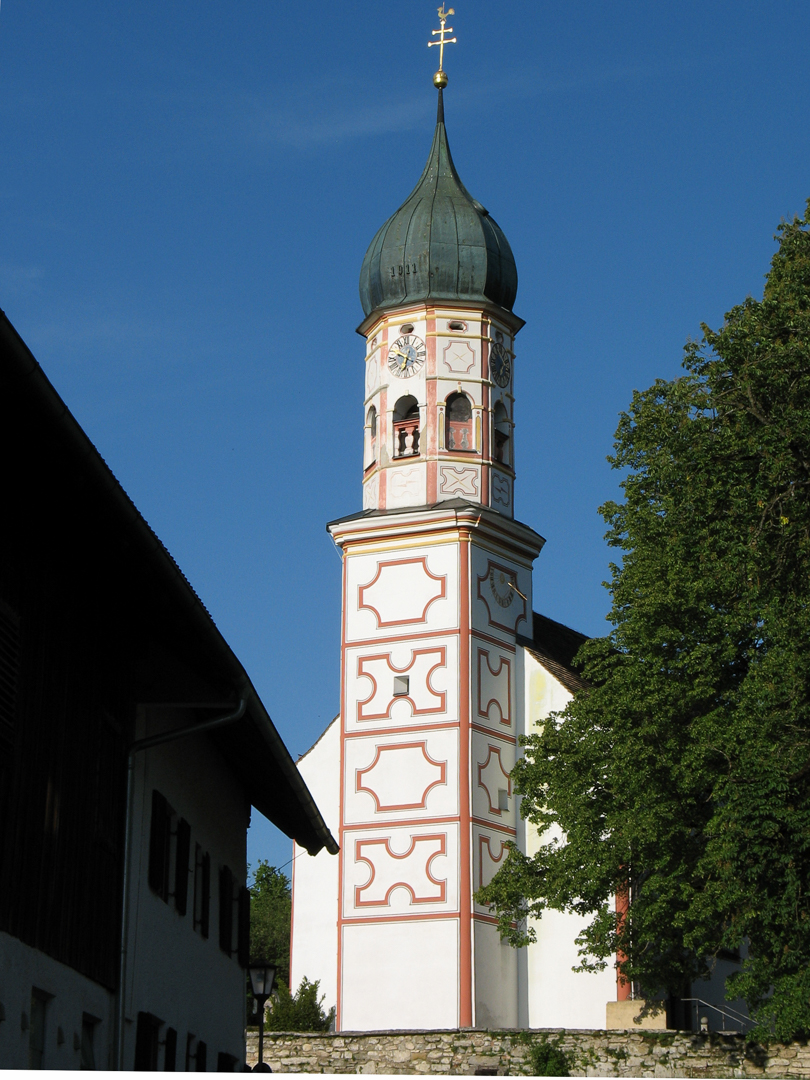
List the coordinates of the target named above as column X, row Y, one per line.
column 406, row 356
column 500, row 366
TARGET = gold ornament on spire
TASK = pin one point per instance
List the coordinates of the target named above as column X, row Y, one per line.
column 440, row 78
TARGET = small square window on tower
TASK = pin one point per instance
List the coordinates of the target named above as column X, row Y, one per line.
column 503, row 799
column 401, row 685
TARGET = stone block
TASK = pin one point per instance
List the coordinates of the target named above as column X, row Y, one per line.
column 621, row 1015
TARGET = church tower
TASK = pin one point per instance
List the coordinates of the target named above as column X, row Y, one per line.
column 436, row 591
column 443, row 663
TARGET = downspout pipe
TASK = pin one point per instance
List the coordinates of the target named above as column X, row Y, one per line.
column 135, row 748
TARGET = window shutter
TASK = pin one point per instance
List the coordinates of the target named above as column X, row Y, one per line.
column 159, row 846
column 170, row 1052
column 205, row 907
column 181, row 866
column 226, row 910
column 244, row 927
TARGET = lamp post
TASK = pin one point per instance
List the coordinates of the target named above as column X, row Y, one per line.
column 262, row 977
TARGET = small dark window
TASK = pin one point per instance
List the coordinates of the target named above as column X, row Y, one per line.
column 226, row 910
column 146, row 1042
column 456, row 325
column 458, row 422
column 201, row 1057
column 401, row 685
column 243, row 932
column 406, row 328
column 87, row 1050
column 170, row 1051
column 181, row 866
column 160, row 846
column 202, row 890
column 190, row 1040
column 36, row 1030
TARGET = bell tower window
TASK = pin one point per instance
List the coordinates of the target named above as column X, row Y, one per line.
column 406, row 427
column 370, row 455
column 458, row 421
column 502, row 432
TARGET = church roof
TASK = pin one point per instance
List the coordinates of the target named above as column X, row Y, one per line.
column 441, row 245
column 555, row 645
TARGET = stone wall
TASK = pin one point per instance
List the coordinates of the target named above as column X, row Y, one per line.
column 506, row 1053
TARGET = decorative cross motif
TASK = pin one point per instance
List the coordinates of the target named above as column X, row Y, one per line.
column 443, row 17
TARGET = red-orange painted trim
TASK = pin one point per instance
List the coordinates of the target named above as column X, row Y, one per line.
column 441, row 652
column 365, row 643
column 432, row 916
column 494, row 825
column 391, row 748
column 494, row 733
column 434, row 725
column 382, row 565
column 624, row 989
column 450, row 819
column 385, row 841
column 465, row 1017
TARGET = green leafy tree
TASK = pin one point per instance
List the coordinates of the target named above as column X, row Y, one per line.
column 682, row 775
column 301, row 1011
column 270, row 914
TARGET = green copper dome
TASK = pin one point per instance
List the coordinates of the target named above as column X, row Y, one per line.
column 441, row 245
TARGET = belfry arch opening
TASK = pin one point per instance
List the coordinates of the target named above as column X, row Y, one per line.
column 502, row 434
column 370, row 455
column 406, row 427
column 458, row 433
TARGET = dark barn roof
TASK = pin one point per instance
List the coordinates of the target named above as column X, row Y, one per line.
column 555, row 646
column 65, row 511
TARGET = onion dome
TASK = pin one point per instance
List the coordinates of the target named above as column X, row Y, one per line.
column 441, row 245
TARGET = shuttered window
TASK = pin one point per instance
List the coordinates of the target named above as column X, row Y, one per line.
column 170, row 1051
column 181, row 866
column 160, row 836
column 202, row 890
column 226, row 910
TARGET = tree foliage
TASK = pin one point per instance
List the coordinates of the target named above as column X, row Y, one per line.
column 270, row 912
column 683, row 773
column 301, row 1011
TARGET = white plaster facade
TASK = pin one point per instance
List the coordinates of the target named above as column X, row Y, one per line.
column 172, row 972
column 436, row 689
column 401, row 962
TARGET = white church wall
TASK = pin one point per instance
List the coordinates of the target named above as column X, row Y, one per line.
column 496, row 979
column 556, row 996
column 314, row 938
column 404, row 975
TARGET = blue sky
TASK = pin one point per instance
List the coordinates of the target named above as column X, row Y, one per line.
column 186, row 194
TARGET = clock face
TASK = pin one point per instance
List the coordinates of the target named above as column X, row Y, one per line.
column 406, row 356
column 500, row 366
column 501, row 587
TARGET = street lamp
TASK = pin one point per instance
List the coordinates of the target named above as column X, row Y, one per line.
column 262, row 977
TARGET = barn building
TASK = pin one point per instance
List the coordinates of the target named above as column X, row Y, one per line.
column 123, row 907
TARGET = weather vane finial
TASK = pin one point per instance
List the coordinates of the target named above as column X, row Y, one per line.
column 440, row 78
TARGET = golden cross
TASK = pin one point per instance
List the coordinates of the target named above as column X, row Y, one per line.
column 443, row 17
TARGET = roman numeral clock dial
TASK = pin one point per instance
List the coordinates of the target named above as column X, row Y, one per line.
column 406, row 356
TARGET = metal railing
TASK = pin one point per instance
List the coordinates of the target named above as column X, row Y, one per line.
column 736, row 1018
